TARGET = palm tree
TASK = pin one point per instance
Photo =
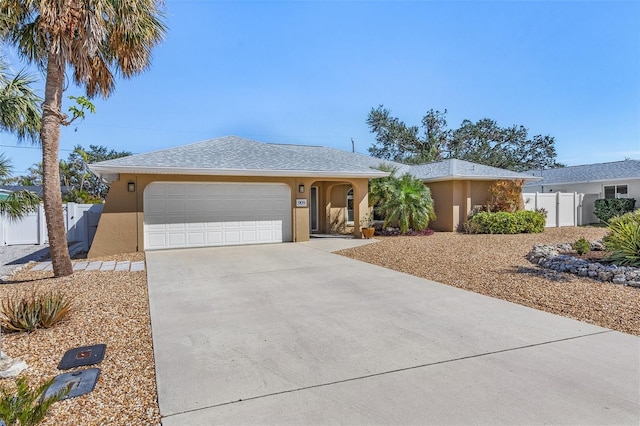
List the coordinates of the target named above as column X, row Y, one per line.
column 96, row 38
column 19, row 105
column 405, row 200
column 19, row 114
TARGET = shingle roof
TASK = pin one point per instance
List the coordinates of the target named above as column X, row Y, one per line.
column 454, row 169
column 232, row 155
column 600, row 172
column 235, row 156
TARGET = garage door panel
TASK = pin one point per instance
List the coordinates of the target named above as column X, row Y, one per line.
column 211, row 214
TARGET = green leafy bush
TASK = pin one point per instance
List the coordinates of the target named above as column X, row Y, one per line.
column 523, row 221
column 623, row 240
column 26, row 407
column 26, row 313
column 605, row 209
column 582, row 246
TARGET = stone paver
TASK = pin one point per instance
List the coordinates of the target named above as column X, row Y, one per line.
column 123, row 266
column 108, row 266
column 41, row 266
column 94, row 266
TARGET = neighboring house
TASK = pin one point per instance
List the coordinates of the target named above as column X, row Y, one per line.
column 230, row 191
column 36, row 189
column 618, row 179
column 457, row 186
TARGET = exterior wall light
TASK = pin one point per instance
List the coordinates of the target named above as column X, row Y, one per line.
column 131, row 187
column 301, row 188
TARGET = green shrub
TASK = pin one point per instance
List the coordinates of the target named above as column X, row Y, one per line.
column 605, row 209
column 26, row 313
column 623, row 240
column 582, row 246
column 26, row 406
column 506, row 223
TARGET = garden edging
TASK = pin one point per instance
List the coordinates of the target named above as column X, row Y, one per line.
column 559, row 258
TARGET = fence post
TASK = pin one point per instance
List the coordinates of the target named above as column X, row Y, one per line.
column 42, row 225
column 71, row 220
column 557, row 209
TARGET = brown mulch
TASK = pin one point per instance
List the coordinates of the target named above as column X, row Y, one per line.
column 495, row 265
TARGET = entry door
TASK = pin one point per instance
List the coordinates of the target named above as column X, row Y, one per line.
column 313, row 210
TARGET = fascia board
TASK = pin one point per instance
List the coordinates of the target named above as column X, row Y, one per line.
column 103, row 171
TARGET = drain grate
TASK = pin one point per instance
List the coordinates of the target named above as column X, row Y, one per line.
column 78, row 382
column 85, row 355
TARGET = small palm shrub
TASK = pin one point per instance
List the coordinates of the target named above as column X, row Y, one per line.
column 26, row 313
column 405, row 201
column 623, row 240
column 582, row 246
column 605, row 209
column 523, row 221
column 26, row 407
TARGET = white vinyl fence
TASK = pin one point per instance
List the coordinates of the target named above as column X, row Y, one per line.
column 563, row 208
column 81, row 221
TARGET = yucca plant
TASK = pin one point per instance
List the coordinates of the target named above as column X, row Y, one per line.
column 26, row 407
column 26, row 313
column 623, row 240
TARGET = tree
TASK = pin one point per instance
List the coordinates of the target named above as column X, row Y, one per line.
column 96, row 38
column 19, row 105
column 19, row 114
column 84, row 184
column 483, row 142
column 403, row 200
column 18, row 203
column 398, row 142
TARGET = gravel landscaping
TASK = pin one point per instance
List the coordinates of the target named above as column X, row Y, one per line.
column 495, row 265
column 111, row 308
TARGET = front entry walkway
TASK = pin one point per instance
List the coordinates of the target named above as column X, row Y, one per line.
column 293, row 334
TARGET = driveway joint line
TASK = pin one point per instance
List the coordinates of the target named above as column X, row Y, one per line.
column 383, row 373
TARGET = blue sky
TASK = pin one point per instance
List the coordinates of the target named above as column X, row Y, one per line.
column 309, row 73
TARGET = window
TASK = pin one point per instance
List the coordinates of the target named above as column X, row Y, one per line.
column 350, row 207
column 615, row 191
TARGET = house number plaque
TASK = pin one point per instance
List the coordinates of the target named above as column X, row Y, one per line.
column 301, row 202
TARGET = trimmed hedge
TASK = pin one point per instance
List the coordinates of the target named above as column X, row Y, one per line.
column 520, row 222
column 607, row 208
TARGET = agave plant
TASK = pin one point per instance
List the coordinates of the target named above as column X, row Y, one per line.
column 26, row 313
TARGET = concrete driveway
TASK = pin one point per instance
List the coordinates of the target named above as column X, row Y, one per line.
column 293, row 334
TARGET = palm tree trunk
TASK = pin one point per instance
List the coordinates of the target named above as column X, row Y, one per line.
column 52, row 196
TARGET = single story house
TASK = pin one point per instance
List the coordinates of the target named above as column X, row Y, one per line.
column 618, row 179
column 231, row 190
column 457, row 186
column 228, row 191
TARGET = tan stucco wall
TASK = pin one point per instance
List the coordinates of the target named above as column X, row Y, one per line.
column 453, row 201
column 442, row 195
column 121, row 226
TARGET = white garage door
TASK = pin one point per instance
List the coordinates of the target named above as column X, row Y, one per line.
column 215, row 214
